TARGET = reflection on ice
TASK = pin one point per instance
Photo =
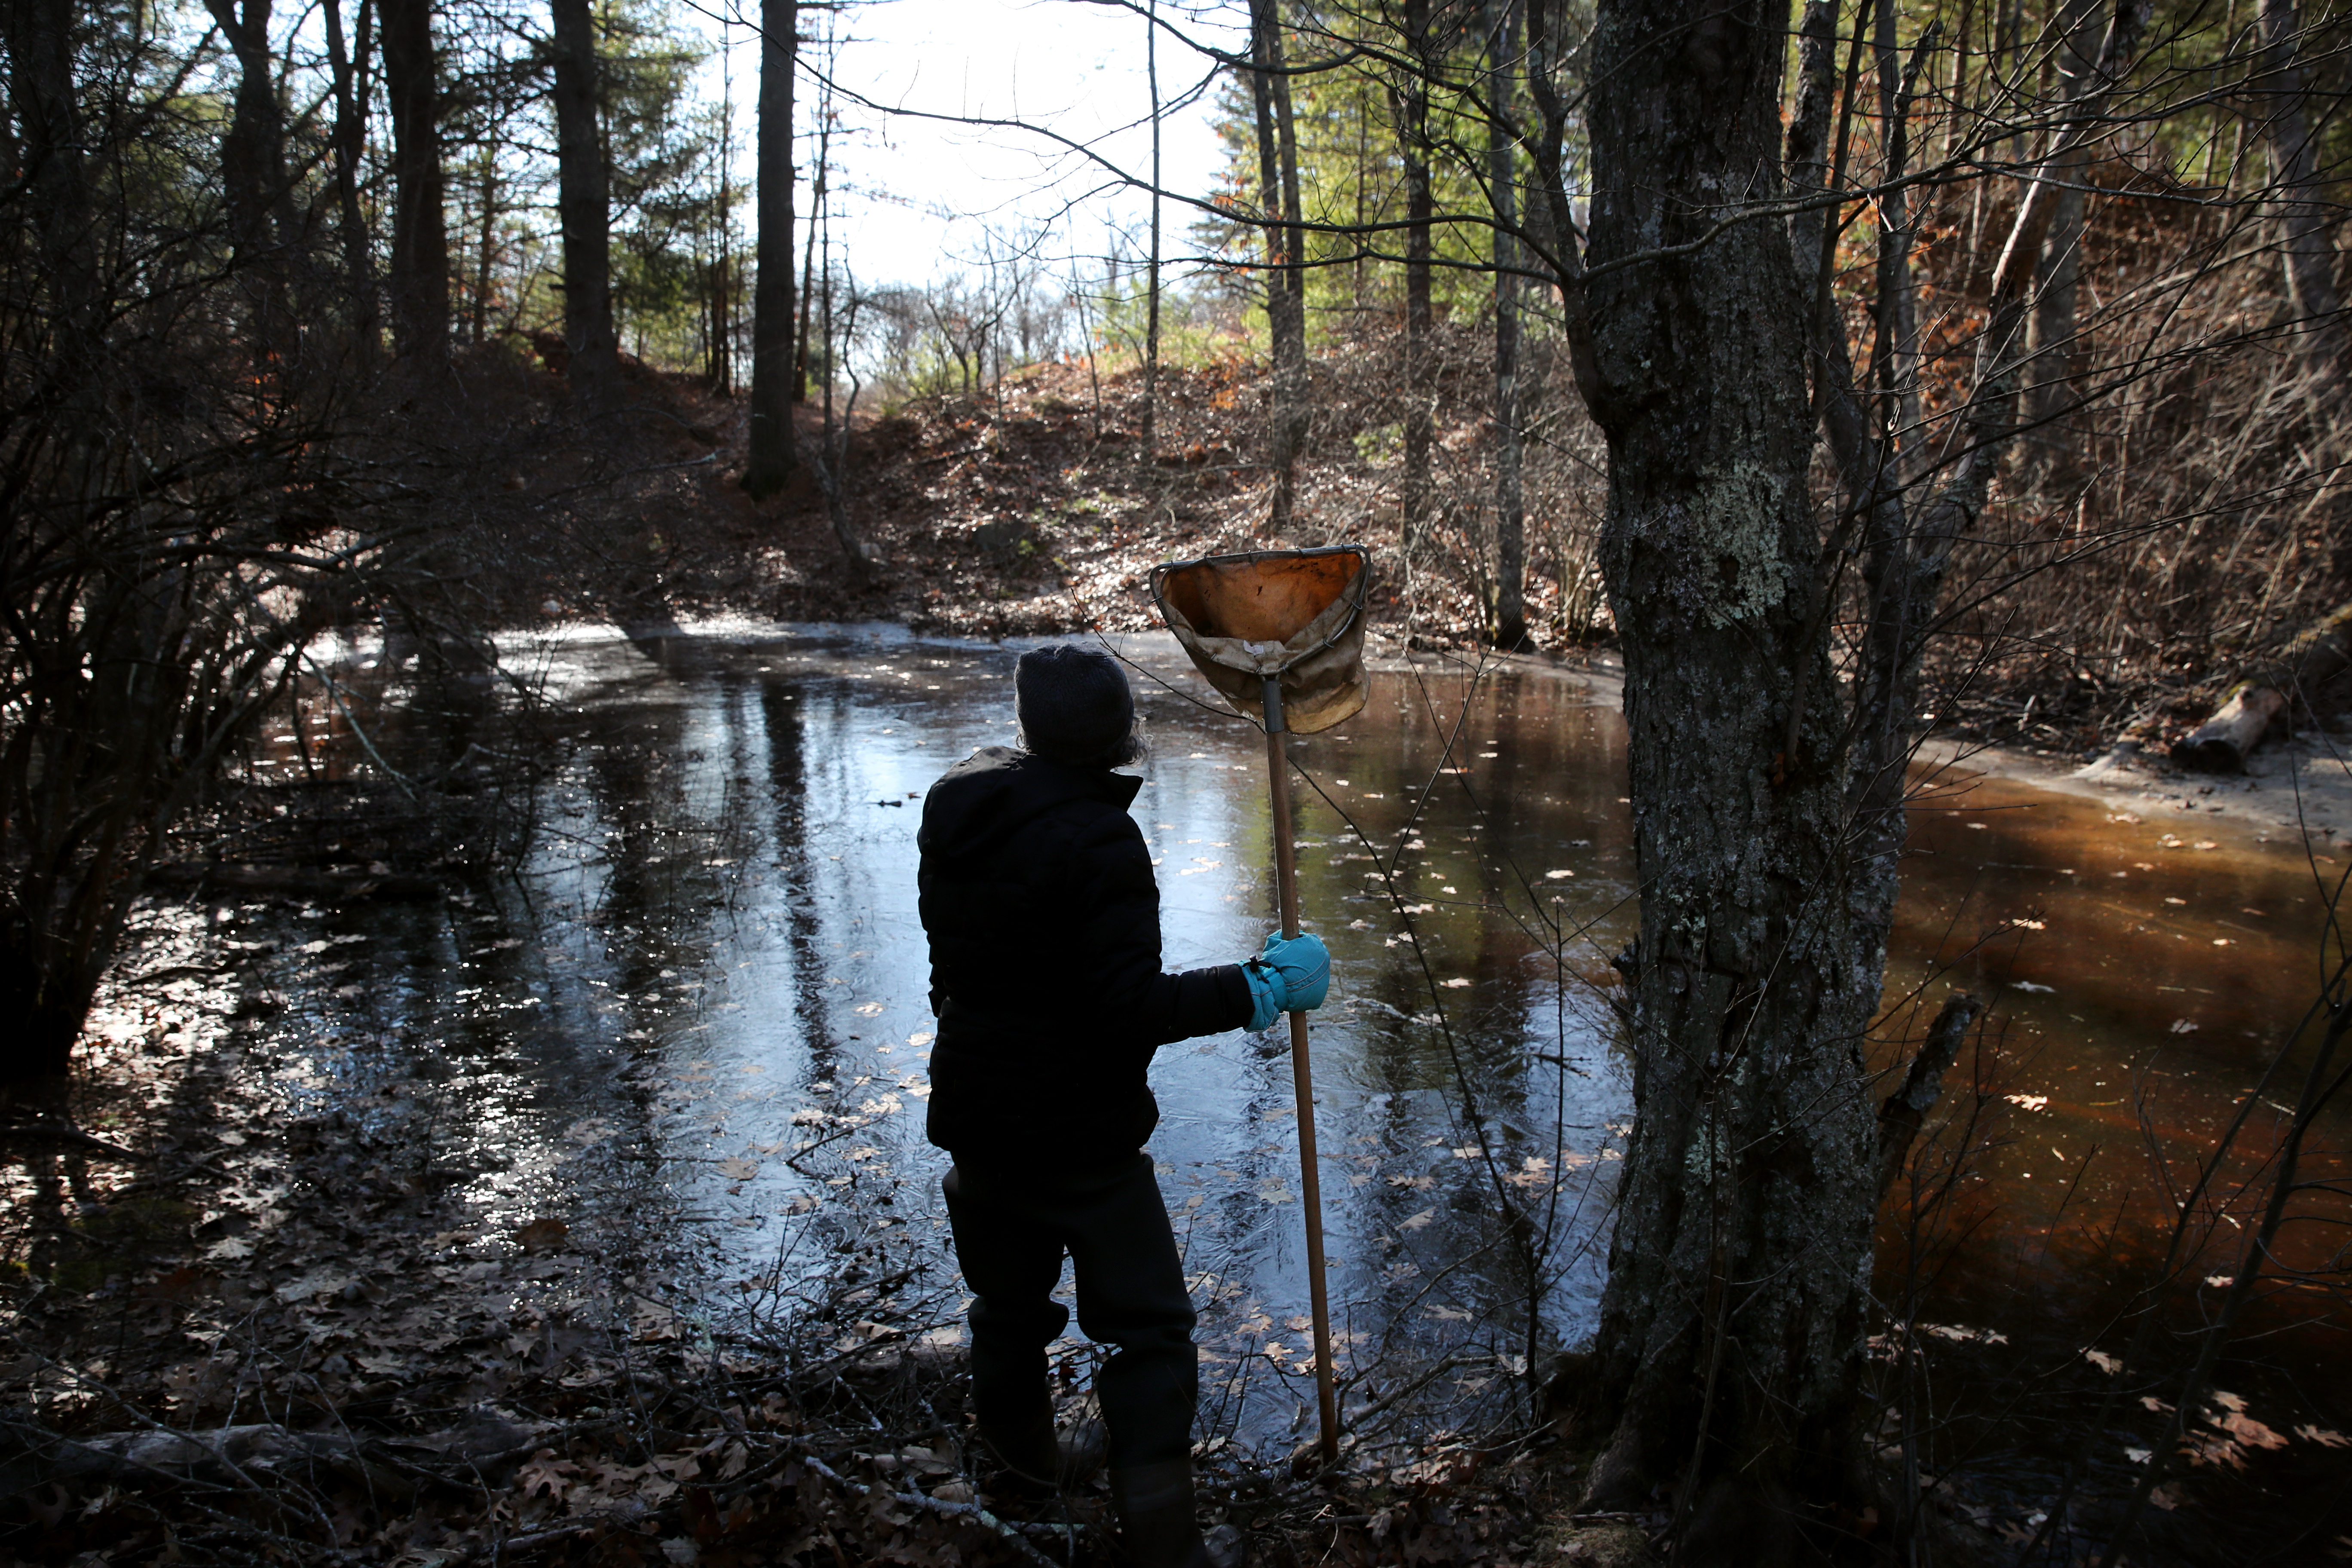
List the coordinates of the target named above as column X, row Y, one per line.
column 702, row 1004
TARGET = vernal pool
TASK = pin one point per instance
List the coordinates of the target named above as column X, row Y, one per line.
column 703, row 1000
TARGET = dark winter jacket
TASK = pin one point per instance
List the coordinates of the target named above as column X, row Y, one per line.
column 1044, row 920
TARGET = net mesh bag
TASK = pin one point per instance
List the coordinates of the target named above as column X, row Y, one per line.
column 1295, row 614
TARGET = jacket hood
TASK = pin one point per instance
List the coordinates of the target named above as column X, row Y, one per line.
column 997, row 789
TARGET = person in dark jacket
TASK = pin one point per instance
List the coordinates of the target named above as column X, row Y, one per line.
column 1037, row 896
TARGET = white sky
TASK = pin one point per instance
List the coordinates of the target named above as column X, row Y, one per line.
column 915, row 199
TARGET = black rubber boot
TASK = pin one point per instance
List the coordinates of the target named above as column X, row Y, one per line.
column 1155, row 1516
column 1033, row 1453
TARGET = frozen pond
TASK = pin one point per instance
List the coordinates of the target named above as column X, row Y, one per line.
column 711, row 980
column 704, row 999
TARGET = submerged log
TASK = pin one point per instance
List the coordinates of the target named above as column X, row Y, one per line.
column 2223, row 744
column 240, row 1458
column 1900, row 1118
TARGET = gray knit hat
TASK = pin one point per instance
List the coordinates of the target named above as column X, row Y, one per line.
column 1075, row 707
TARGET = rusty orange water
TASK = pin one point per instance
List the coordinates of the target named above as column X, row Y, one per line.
column 2146, row 965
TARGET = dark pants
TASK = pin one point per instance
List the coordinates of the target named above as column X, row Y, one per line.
column 1011, row 1231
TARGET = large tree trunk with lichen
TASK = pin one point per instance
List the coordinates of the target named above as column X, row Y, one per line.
column 1730, row 1329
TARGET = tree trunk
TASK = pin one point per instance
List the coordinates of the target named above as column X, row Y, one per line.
column 49, row 161
column 596, row 369
column 808, row 264
column 770, row 465
column 1507, row 626
column 347, row 66
column 818, row 187
column 830, row 456
column 2308, row 256
column 2090, row 56
column 485, row 240
column 419, row 282
column 1418, row 211
column 1898, row 295
column 1286, row 283
column 1150, row 442
column 47, row 1023
column 261, row 219
column 1729, row 1336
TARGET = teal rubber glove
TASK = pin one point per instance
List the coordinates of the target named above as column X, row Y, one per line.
column 1304, row 965
column 1267, row 993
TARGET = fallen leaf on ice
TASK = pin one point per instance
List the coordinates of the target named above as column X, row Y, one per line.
column 318, row 1282
column 2251, row 1432
column 2028, row 1101
column 2184, row 1026
column 2103, row 1362
column 1964, row 1335
column 1417, row 1221
column 543, row 1235
column 1456, row 984
column 2323, row 1437
column 739, row 1170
